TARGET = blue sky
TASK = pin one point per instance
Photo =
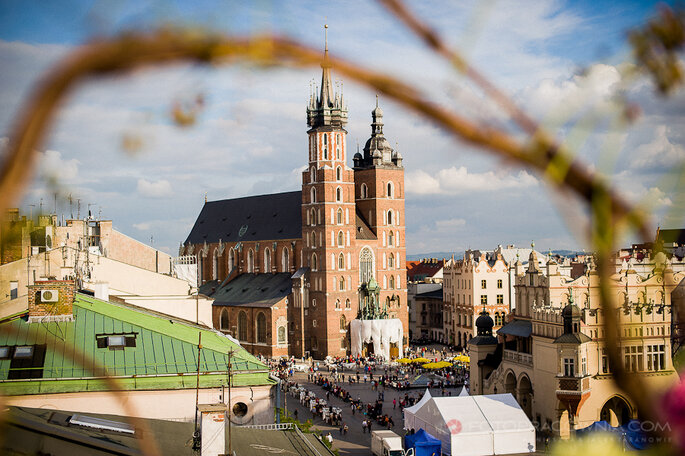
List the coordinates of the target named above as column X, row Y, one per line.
column 559, row 60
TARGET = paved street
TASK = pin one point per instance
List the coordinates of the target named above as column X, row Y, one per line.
column 355, row 442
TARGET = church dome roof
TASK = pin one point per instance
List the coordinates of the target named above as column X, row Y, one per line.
column 571, row 311
column 484, row 323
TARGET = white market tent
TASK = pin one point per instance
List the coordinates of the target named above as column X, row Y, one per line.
column 476, row 425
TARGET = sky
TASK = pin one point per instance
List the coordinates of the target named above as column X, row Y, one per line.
column 564, row 62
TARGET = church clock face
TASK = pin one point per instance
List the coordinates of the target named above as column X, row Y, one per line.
column 243, row 230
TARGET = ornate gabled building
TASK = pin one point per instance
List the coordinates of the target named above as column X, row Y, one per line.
column 341, row 239
column 551, row 355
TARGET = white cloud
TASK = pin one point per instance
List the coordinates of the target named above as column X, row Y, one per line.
column 144, row 226
column 53, row 166
column 456, row 181
column 160, row 189
column 450, row 223
column 659, row 154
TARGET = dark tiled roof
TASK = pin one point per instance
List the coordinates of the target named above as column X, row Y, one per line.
column 520, row 328
column 258, row 218
column 363, row 230
column 254, row 290
column 208, row 288
column 571, row 338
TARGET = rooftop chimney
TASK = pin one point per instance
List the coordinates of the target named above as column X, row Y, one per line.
column 213, row 429
column 51, row 300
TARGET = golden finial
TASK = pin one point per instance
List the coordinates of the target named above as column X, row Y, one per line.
column 325, row 34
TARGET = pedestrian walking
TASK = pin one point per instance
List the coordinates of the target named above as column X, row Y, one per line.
column 329, row 437
column 394, row 403
column 363, row 426
column 345, row 428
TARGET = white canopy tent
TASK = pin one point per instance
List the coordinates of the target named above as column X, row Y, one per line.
column 476, row 425
column 380, row 333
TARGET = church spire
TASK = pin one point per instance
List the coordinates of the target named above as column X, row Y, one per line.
column 328, row 108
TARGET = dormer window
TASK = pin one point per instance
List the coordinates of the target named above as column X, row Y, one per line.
column 116, row 341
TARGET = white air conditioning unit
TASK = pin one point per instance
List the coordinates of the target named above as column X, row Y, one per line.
column 49, row 296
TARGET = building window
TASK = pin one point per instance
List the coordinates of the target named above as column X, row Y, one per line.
column 391, row 239
column 390, row 218
column 348, row 304
column 312, row 195
column 342, row 284
column 500, row 299
column 606, row 368
column 391, row 261
column 115, row 341
column 338, row 194
column 497, row 320
column 343, row 323
column 484, row 300
column 338, row 172
column 27, row 362
column 242, row 326
column 223, row 320
column 314, row 323
column 313, row 217
column 215, row 265
column 261, row 328
column 656, row 358
column 267, row 260
column 250, row 261
column 392, row 282
column 365, row 265
column 499, row 283
column 389, row 189
column 337, row 304
column 341, row 239
column 314, row 265
column 569, row 367
column 281, row 335
column 633, row 358
column 363, row 191
column 312, row 175
column 285, row 260
column 325, row 146
column 483, row 284
column 340, row 216
column 341, row 262
column 231, row 259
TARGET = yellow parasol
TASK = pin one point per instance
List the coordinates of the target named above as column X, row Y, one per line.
column 420, row 360
column 404, row 360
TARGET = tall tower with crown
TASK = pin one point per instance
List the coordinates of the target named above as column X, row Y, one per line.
column 379, row 189
column 328, row 221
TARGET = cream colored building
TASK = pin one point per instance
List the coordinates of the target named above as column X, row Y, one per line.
column 551, row 354
column 482, row 280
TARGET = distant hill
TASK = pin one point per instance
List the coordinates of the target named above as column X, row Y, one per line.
column 460, row 255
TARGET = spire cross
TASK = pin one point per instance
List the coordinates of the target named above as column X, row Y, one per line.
column 376, row 100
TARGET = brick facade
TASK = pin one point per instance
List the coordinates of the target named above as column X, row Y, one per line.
column 62, row 307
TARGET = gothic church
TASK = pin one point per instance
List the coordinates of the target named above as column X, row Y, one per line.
column 289, row 272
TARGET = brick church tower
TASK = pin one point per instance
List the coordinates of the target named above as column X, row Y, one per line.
column 328, row 222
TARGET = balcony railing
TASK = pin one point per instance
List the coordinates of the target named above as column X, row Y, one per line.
column 518, row 357
column 572, row 385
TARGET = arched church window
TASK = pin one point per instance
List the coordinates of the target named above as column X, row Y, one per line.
column 366, row 269
column 267, row 260
column 313, row 195
column 341, row 239
column 341, row 262
column 281, row 335
column 391, row 282
column 390, row 217
column 348, row 304
column 390, row 190
column 250, row 261
column 338, row 145
column 391, row 259
column 364, row 192
column 338, row 173
column 261, row 328
column 242, row 326
column 312, row 176
column 223, row 320
column 337, row 303
column 343, row 323
column 390, row 238
column 285, row 260
column 325, row 146
column 340, row 216
column 215, row 265
column 342, row 284
column 338, row 194
column 231, row 259
column 312, row 217
column 314, row 265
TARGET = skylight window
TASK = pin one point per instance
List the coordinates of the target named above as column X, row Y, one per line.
column 116, row 341
column 23, row 352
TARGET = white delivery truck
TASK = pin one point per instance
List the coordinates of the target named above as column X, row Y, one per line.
column 387, row 443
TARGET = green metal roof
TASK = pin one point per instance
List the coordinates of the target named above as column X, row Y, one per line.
column 164, row 356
